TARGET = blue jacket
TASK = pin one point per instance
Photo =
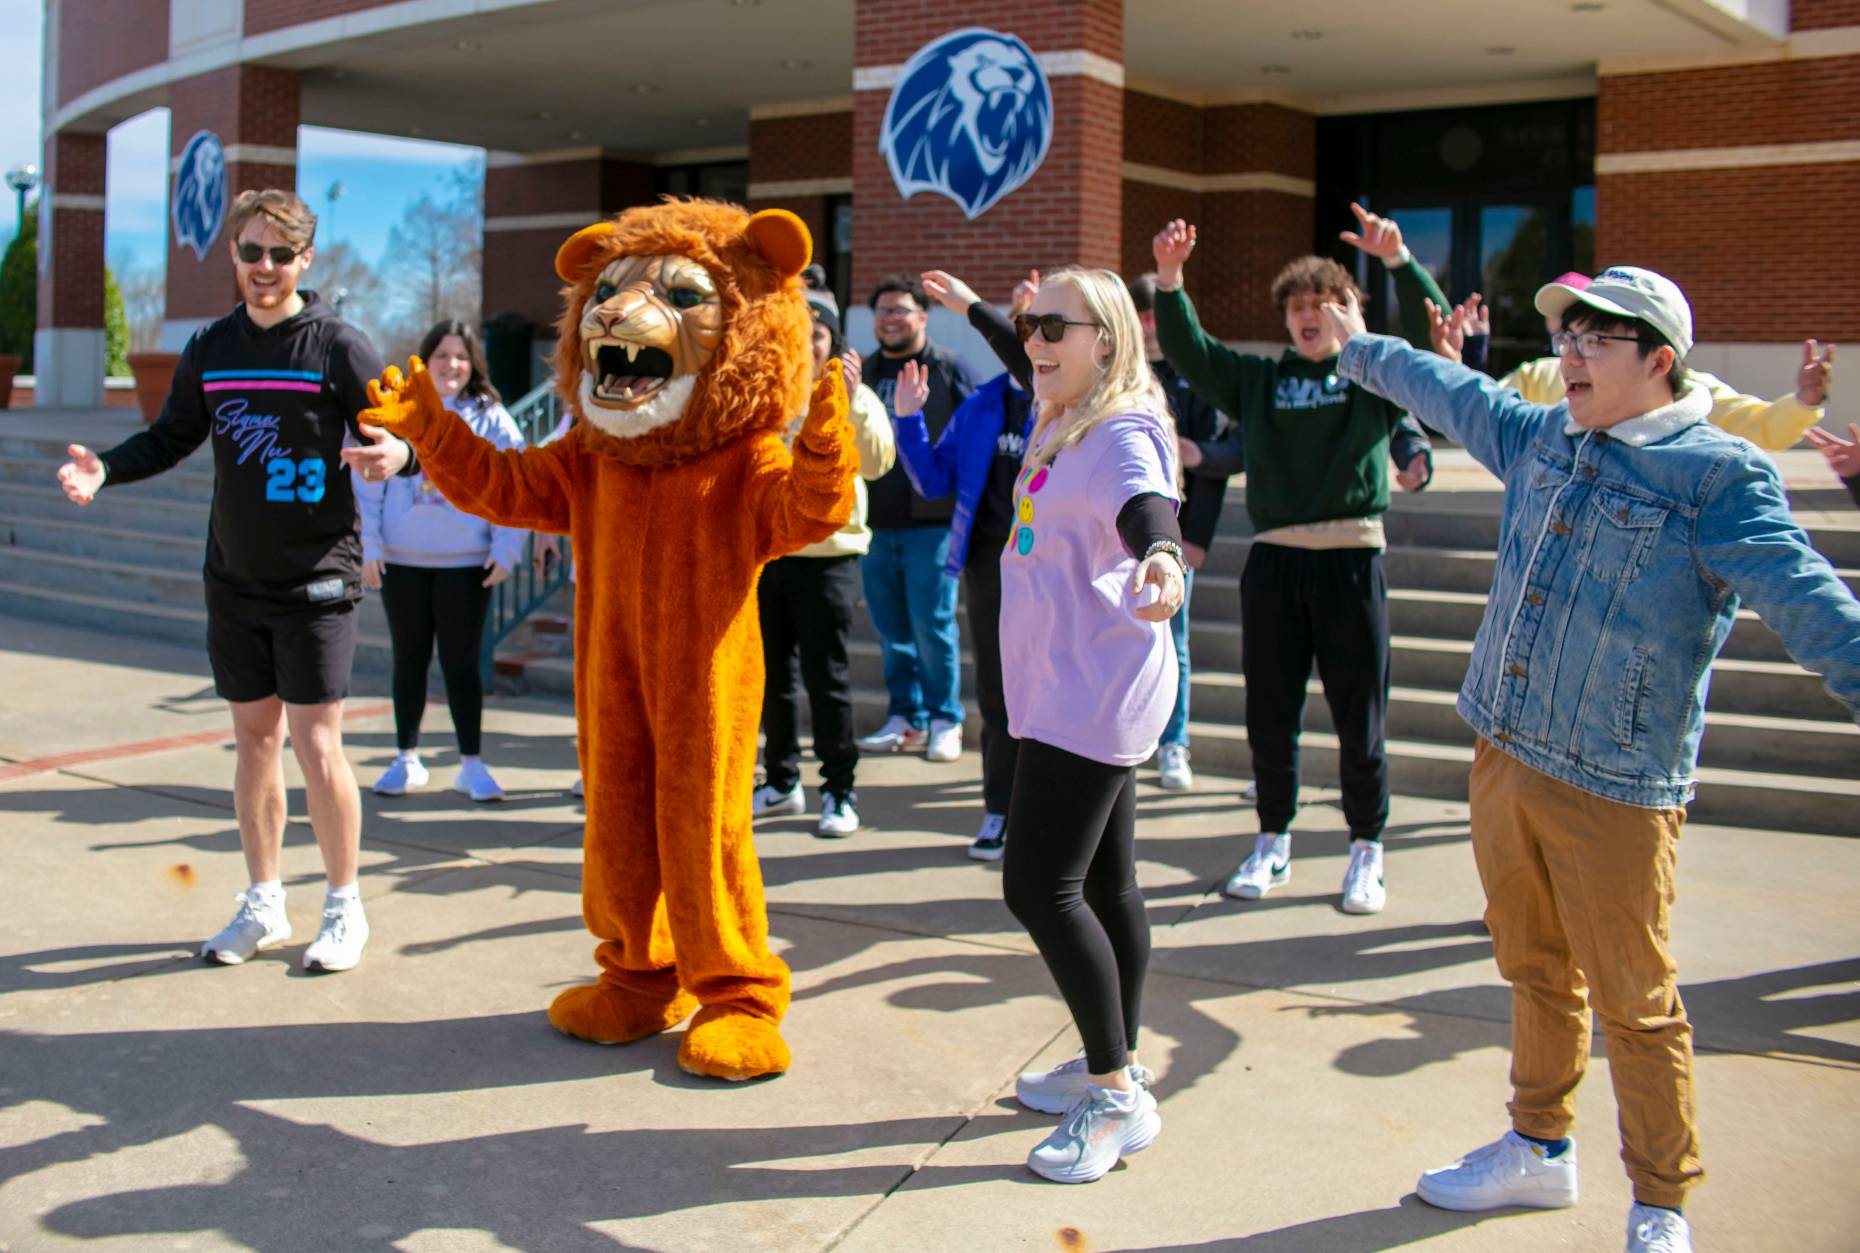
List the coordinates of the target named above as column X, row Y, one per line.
column 959, row 460
column 1622, row 557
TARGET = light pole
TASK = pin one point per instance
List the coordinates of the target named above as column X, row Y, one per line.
column 22, row 179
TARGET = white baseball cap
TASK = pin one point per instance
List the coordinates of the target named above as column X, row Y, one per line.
column 1628, row 292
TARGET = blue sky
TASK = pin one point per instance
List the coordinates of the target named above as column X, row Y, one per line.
column 382, row 175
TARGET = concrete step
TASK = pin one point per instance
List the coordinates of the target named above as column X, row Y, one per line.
column 126, row 508
column 62, row 534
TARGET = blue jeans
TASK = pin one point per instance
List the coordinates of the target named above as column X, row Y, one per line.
column 913, row 607
column 1177, row 730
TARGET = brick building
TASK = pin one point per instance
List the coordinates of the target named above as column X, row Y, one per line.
column 1513, row 141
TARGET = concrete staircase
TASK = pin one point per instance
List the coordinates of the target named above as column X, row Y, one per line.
column 1778, row 751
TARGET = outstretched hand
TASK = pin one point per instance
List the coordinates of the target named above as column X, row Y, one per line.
column 1173, row 245
column 82, row 476
column 1024, row 292
column 396, row 402
column 826, row 410
column 1816, row 375
column 949, row 291
column 912, row 390
column 1449, row 332
column 1843, row 454
column 1380, row 236
column 1163, row 572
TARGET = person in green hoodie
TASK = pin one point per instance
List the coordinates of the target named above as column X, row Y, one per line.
column 1316, row 451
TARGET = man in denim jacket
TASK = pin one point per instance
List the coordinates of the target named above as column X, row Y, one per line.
column 1632, row 530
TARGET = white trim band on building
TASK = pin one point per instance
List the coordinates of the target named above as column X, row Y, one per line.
column 1832, row 152
column 1067, row 63
column 545, row 221
column 1804, row 45
column 1249, row 180
column 253, row 154
column 799, row 108
column 776, row 189
column 77, row 200
column 548, row 156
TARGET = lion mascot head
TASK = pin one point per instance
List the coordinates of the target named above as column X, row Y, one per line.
column 684, row 328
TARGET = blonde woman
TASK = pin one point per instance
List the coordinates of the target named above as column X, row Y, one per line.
column 1092, row 571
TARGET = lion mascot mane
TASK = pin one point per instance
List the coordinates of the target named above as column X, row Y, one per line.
column 683, row 354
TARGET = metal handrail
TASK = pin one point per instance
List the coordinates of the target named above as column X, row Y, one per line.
column 526, row 590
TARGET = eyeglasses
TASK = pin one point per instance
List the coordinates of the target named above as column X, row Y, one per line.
column 895, row 311
column 1052, row 326
column 1586, row 343
column 280, row 253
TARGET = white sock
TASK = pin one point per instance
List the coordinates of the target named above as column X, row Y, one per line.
column 267, row 895
column 347, row 894
column 412, row 755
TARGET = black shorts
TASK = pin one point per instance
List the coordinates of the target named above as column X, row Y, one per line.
column 302, row 655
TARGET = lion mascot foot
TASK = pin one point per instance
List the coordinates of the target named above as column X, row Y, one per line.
column 605, row 1014
column 724, row 1042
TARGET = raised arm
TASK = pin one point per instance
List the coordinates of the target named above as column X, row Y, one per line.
column 1777, row 424
column 1214, row 370
column 531, row 488
column 801, row 498
column 931, row 468
column 1380, row 237
column 995, row 326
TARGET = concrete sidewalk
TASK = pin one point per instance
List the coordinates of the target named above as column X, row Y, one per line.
column 1311, row 1063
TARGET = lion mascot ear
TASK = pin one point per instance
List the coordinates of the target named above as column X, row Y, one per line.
column 780, row 238
column 572, row 257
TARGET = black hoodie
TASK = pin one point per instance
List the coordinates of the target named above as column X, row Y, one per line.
column 277, row 403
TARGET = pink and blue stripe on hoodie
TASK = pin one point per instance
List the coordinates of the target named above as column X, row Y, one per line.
column 261, row 381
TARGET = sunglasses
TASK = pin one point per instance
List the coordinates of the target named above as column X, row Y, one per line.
column 280, row 254
column 1052, row 326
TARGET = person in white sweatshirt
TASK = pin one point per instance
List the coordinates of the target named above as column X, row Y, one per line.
column 435, row 566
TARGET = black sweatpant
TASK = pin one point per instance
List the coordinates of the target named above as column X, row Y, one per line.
column 1297, row 604
column 449, row 605
column 1070, row 877
column 981, row 577
column 806, row 605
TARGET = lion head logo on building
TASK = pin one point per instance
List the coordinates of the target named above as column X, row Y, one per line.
column 971, row 117
column 199, row 193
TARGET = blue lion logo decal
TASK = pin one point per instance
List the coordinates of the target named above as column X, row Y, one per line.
column 971, row 117
column 200, row 193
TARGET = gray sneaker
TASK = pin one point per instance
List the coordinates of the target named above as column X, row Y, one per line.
column 1057, row 1090
column 1100, row 1128
column 256, row 927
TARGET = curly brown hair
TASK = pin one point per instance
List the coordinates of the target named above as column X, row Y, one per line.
column 1314, row 274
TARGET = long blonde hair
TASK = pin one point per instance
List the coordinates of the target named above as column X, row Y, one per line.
column 1125, row 382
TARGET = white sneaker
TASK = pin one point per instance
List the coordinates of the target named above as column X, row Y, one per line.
column 1509, row 1171
column 1655, row 1230
column 1251, row 793
column 1363, row 892
column 991, row 840
column 1268, row 866
column 838, row 816
column 405, row 774
column 945, row 741
column 1057, row 1090
column 475, row 781
column 1172, row 760
column 1098, row 1129
column 576, row 790
column 341, row 938
column 768, row 801
column 896, row 736
column 259, row 925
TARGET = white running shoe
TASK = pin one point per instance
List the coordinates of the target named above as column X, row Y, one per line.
column 404, row 774
column 1057, row 1090
column 1655, row 1230
column 896, row 736
column 1509, row 1171
column 945, row 741
column 341, row 938
column 1268, row 866
column 838, row 815
column 991, row 840
column 1098, row 1129
column 768, row 802
column 1363, row 892
column 1172, row 761
column 475, row 781
column 258, row 925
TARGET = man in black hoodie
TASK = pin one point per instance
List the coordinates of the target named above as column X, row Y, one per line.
column 276, row 384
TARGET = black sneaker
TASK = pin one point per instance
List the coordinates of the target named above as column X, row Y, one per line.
column 991, row 840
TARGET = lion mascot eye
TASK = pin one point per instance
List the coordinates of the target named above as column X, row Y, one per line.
column 604, row 293
column 685, row 298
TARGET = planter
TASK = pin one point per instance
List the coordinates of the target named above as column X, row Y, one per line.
column 9, row 366
column 154, row 372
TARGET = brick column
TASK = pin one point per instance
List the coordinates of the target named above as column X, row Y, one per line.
column 253, row 109
column 67, row 346
column 1069, row 211
column 1258, row 212
column 534, row 201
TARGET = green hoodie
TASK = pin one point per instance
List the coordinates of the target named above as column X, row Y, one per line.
column 1317, row 447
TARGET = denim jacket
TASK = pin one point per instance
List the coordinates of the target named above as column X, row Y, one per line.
column 1621, row 562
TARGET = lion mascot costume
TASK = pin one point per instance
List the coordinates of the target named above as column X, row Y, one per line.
column 683, row 354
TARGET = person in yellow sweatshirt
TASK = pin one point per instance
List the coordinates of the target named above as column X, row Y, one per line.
column 806, row 601
column 1772, row 425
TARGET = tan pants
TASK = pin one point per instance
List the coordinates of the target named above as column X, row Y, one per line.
column 1579, row 897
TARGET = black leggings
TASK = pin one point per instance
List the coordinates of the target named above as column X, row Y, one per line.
column 1071, row 878
column 982, row 576
column 448, row 604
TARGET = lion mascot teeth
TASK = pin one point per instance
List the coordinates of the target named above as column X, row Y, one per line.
column 683, row 354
